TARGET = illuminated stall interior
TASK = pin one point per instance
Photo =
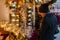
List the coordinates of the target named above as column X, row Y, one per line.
column 20, row 22
column 20, row 19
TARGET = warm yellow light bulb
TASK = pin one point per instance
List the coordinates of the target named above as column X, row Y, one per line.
column 17, row 24
column 30, row 7
column 10, row 2
column 13, row 20
column 17, row 20
column 13, row 14
column 18, row 6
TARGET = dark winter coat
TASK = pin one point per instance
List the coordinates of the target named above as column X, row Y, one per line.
column 48, row 28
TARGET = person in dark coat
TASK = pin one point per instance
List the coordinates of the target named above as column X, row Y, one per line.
column 47, row 30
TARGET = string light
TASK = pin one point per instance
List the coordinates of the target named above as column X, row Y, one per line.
column 17, row 24
column 17, row 15
column 29, row 7
column 13, row 15
column 14, row 4
column 29, row 19
column 17, row 20
column 3, row 25
column 13, row 9
column 13, row 20
column 29, row 11
column 10, row 2
column 29, row 23
column 29, row 15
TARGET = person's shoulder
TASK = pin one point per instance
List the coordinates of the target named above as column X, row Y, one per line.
column 50, row 17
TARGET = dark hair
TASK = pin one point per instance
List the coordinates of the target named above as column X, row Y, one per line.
column 44, row 8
